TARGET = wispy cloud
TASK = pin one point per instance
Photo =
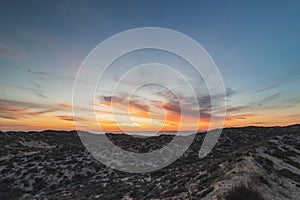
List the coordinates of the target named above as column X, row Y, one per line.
column 174, row 110
column 36, row 88
column 290, row 75
column 14, row 109
column 45, row 75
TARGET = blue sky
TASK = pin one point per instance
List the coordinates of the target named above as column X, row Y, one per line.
column 255, row 44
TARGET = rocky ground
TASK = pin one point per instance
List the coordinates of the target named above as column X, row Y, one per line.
column 55, row 165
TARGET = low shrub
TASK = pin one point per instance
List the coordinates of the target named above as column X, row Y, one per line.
column 244, row 192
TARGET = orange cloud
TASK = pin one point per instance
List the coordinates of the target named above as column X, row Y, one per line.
column 143, row 116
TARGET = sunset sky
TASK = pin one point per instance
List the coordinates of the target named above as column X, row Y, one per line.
column 255, row 44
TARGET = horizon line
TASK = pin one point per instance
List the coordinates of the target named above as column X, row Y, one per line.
column 124, row 133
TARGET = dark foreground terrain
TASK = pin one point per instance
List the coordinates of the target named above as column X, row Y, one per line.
column 253, row 161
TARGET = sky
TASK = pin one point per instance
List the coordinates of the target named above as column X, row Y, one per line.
column 255, row 45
